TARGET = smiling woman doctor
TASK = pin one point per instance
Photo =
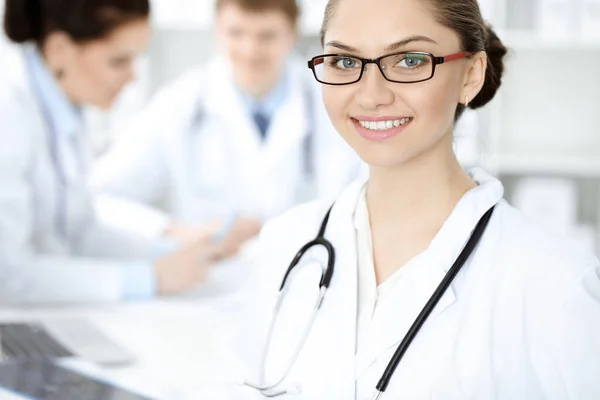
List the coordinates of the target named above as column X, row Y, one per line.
column 71, row 53
column 427, row 284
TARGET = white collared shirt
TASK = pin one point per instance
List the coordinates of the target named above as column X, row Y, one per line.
column 369, row 293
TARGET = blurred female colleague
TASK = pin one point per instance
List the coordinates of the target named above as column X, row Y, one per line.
column 244, row 136
column 425, row 283
column 71, row 53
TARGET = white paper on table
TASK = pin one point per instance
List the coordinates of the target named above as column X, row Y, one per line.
column 7, row 395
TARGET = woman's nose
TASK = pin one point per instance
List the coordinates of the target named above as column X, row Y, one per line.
column 374, row 91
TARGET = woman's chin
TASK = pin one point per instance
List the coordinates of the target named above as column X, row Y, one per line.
column 383, row 158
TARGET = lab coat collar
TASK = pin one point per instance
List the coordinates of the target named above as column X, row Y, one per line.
column 268, row 105
column 432, row 266
column 66, row 119
column 456, row 231
column 288, row 126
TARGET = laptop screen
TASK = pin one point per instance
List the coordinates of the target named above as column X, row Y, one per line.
column 43, row 380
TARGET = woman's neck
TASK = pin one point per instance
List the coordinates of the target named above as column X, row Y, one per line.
column 409, row 204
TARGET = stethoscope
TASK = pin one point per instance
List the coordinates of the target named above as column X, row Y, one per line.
column 270, row 390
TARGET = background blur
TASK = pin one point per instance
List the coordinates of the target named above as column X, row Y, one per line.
column 540, row 135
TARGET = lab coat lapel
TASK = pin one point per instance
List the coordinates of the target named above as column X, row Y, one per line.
column 338, row 320
column 327, row 358
column 223, row 100
column 399, row 310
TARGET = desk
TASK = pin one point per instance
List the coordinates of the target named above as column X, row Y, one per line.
column 180, row 344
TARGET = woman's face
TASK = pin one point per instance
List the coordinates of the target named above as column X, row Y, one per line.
column 427, row 109
column 95, row 72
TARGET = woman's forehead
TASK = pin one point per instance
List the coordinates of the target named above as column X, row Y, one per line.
column 374, row 25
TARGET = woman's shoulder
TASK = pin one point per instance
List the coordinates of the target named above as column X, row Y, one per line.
column 556, row 285
column 548, row 265
column 527, row 241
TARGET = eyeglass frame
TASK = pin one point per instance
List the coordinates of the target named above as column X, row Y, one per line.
column 377, row 61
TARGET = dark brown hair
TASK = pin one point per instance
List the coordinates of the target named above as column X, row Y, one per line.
column 288, row 7
column 82, row 20
column 464, row 17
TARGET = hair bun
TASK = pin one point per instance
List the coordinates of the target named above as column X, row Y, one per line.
column 23, row 20
column 496, row 51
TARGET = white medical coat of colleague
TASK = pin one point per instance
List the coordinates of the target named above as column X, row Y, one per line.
column 521, row 321
column 52, row 247
column 197, row 151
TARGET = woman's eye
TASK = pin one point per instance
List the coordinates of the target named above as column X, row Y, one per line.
column 119, row 62
column 413, row 61
column 346, row 63
column 410, row 62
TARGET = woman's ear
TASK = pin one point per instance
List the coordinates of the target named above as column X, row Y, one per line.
column 474, row 78
column 58, row 51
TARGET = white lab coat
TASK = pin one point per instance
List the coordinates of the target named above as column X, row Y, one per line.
column 200, row 166
column 521, row 321
column 37, row 263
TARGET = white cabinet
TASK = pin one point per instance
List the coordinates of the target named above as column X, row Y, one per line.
column 545, row 122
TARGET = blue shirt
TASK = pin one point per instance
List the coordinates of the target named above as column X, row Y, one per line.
column 271, row 103
column 139, row 280
column 66, row 119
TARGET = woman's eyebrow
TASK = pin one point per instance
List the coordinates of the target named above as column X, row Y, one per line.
column 410, row 39
column 391, row 47
column 341, row 46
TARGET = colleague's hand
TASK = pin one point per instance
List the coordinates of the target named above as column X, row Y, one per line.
column 186, row 268
column 244, row 229
column 190, row 234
